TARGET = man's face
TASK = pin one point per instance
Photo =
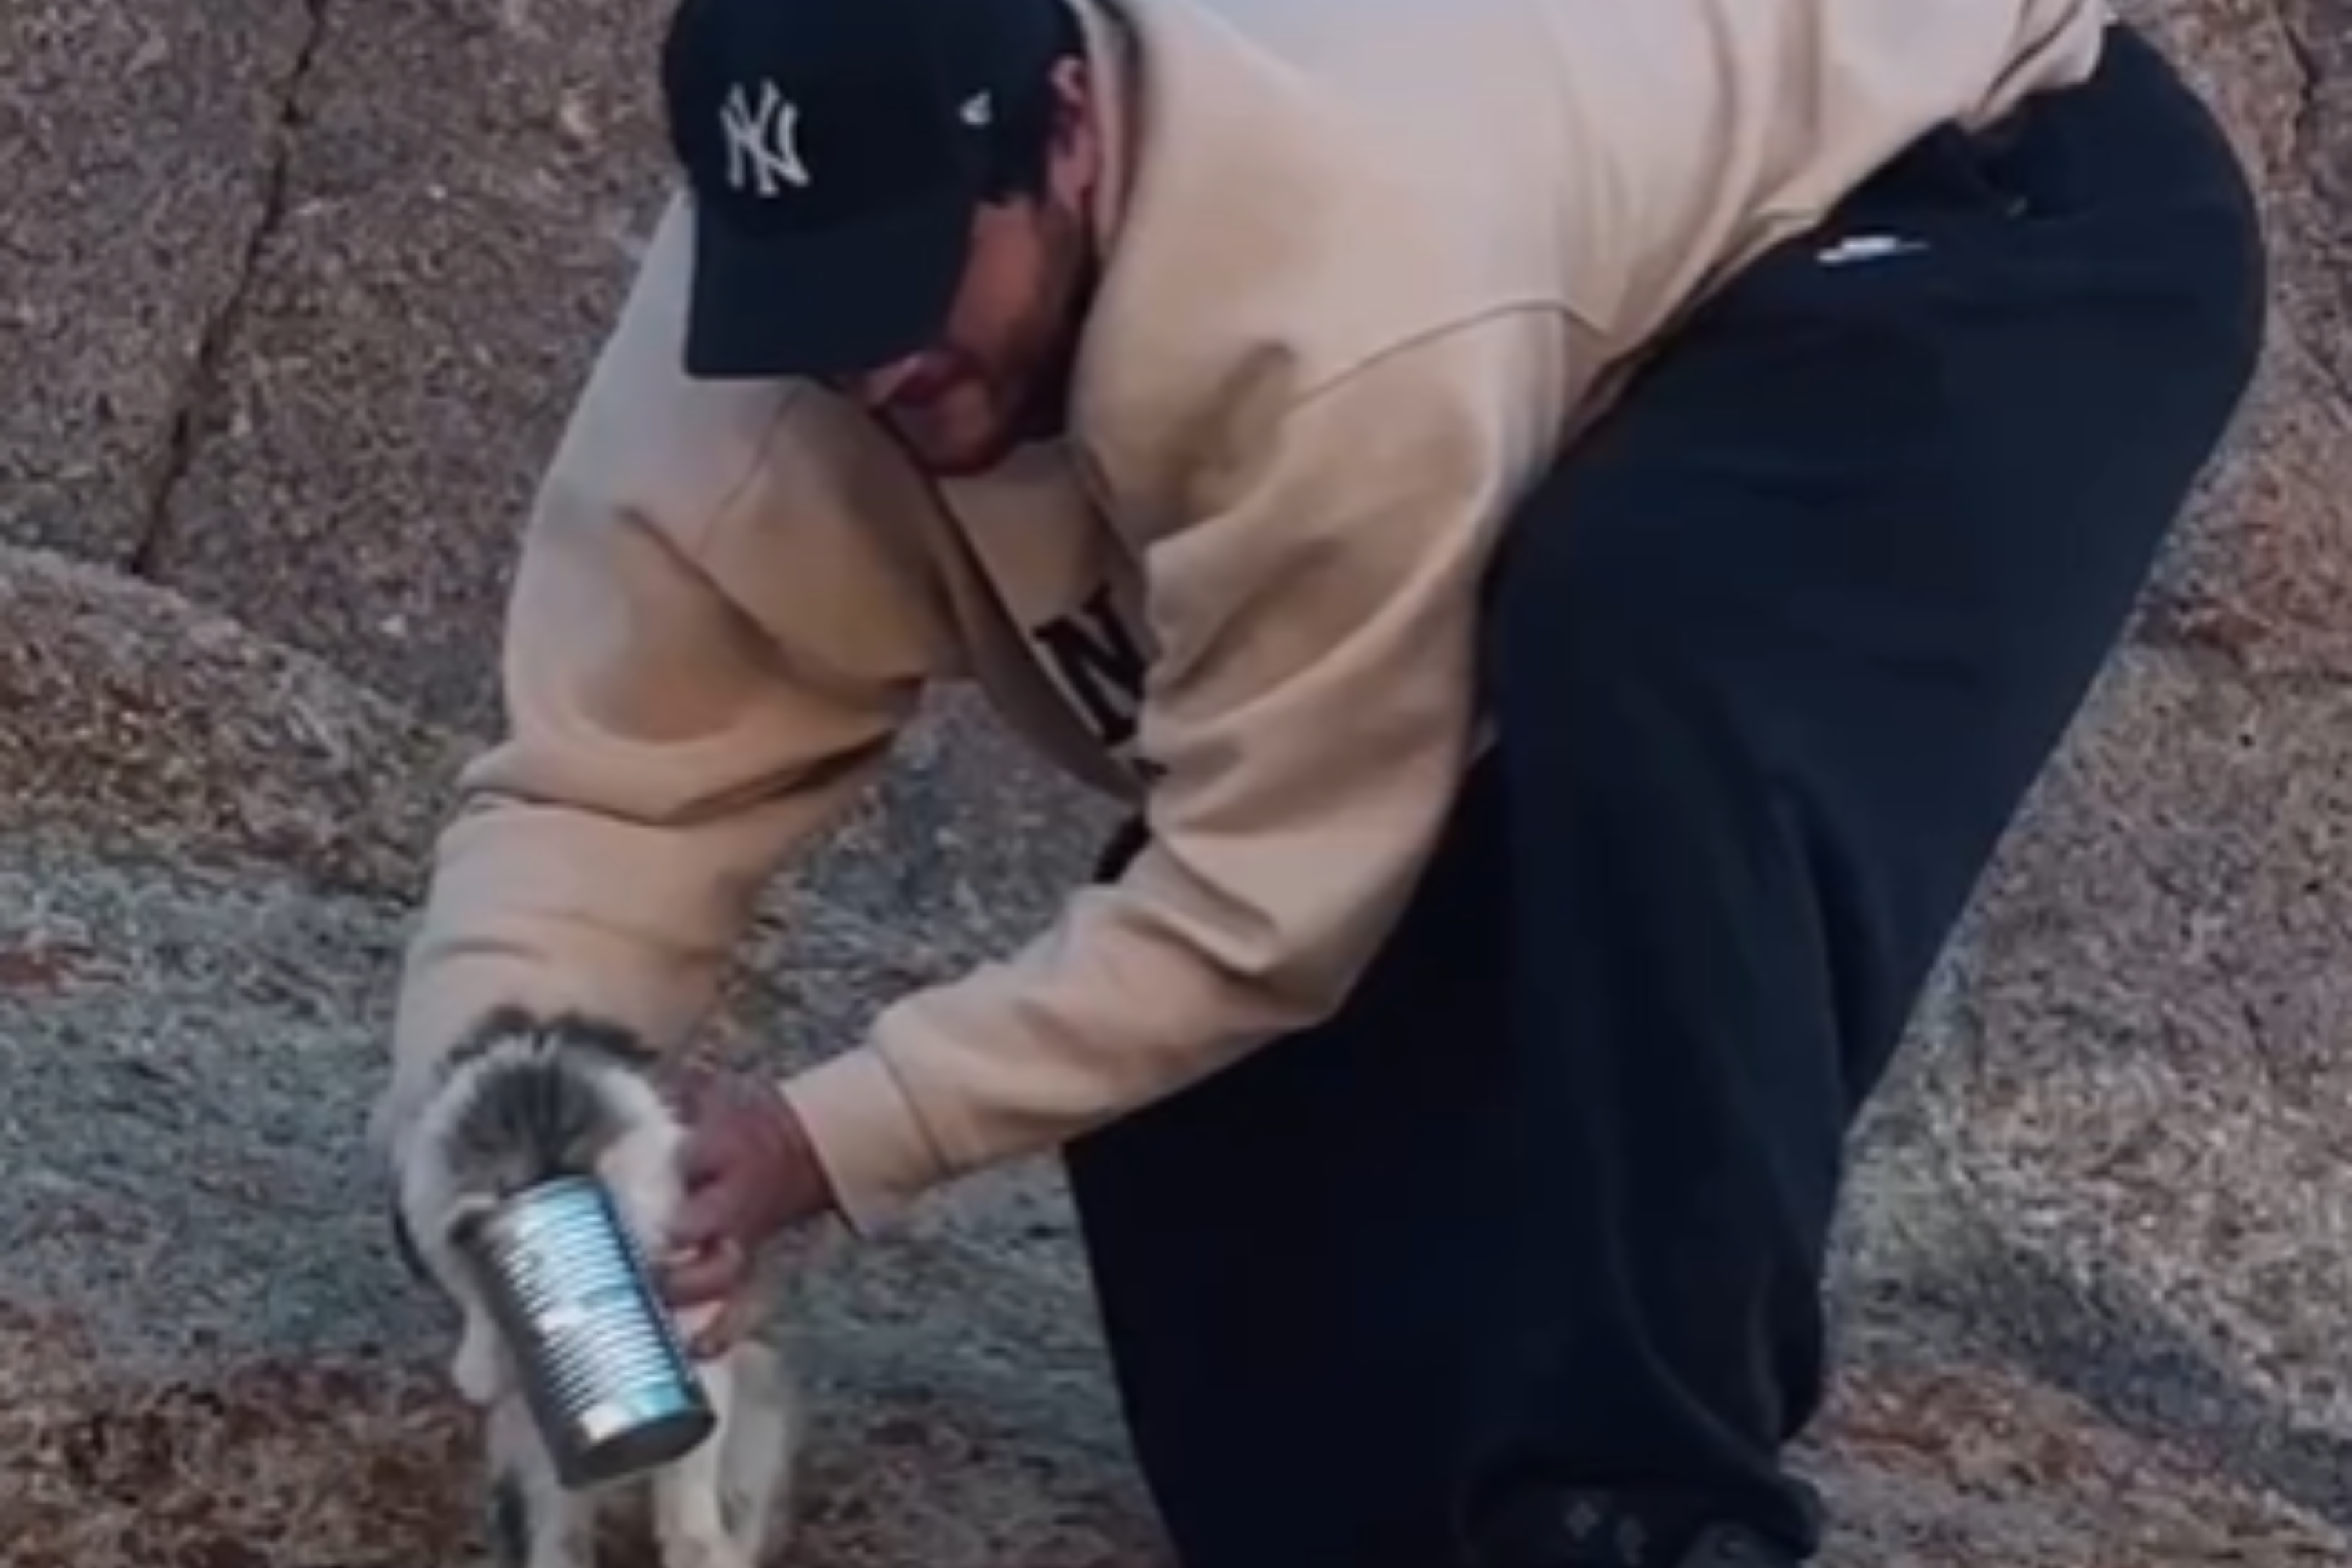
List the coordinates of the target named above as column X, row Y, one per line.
column 1000, row 371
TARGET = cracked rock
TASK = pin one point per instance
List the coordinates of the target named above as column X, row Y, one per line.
column 139, row 140
column 448, row 258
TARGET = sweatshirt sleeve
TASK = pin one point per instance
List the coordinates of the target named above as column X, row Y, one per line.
column 665, row 751
column 1310, row 716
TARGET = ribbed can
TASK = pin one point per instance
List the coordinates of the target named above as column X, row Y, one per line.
column 609, row 1383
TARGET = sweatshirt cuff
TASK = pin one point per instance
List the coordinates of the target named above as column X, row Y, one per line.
column 876, row 1151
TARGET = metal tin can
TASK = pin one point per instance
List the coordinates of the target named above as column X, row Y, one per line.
column 607, row 1380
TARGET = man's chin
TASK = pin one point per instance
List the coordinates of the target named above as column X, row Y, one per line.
column 958, row 460
column 961, row 465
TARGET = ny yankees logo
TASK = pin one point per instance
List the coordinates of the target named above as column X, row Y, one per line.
column 760, row 149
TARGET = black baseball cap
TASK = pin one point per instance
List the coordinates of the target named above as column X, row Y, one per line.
column 836, row 151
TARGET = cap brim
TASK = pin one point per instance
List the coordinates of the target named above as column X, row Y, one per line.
column 831, row 303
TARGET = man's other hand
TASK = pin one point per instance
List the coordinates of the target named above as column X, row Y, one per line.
column 751, row 1173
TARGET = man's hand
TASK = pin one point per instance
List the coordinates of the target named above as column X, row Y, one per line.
column 751, row 1173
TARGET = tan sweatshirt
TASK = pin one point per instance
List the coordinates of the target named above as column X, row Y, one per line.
column 1370, row 263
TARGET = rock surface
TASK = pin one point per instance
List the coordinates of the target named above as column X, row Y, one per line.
column 2143, row 1094
column 437, row 273
column 140, row 144
column 293, row 345
column 2263, row 572
column 190, row 1016
column 207, row 852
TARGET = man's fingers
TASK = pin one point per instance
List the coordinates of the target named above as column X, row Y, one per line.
column 711, row 1210
column 699, row 1278
column 701, row 1159
column 702, row 1237
column 722, row 1333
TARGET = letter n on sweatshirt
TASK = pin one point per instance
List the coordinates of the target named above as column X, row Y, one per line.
column 1096, row 659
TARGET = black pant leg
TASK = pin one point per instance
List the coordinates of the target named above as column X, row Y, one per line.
column 1526, row 1248
column 1776, row 657
column 1270, row 1249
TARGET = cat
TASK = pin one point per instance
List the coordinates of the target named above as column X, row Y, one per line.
column 524, row 1099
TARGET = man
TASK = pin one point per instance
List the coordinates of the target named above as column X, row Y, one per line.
column 1576, row 525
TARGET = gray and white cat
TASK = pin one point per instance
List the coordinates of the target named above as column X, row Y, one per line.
column 525, row 1099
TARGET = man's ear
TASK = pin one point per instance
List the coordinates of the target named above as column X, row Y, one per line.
column 1074, row 87
column 1074, row 160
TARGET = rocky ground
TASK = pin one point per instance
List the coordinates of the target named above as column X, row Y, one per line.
column 289, row 342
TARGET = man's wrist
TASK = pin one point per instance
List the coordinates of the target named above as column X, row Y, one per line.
column 868, row 1146
column 793, row 1151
